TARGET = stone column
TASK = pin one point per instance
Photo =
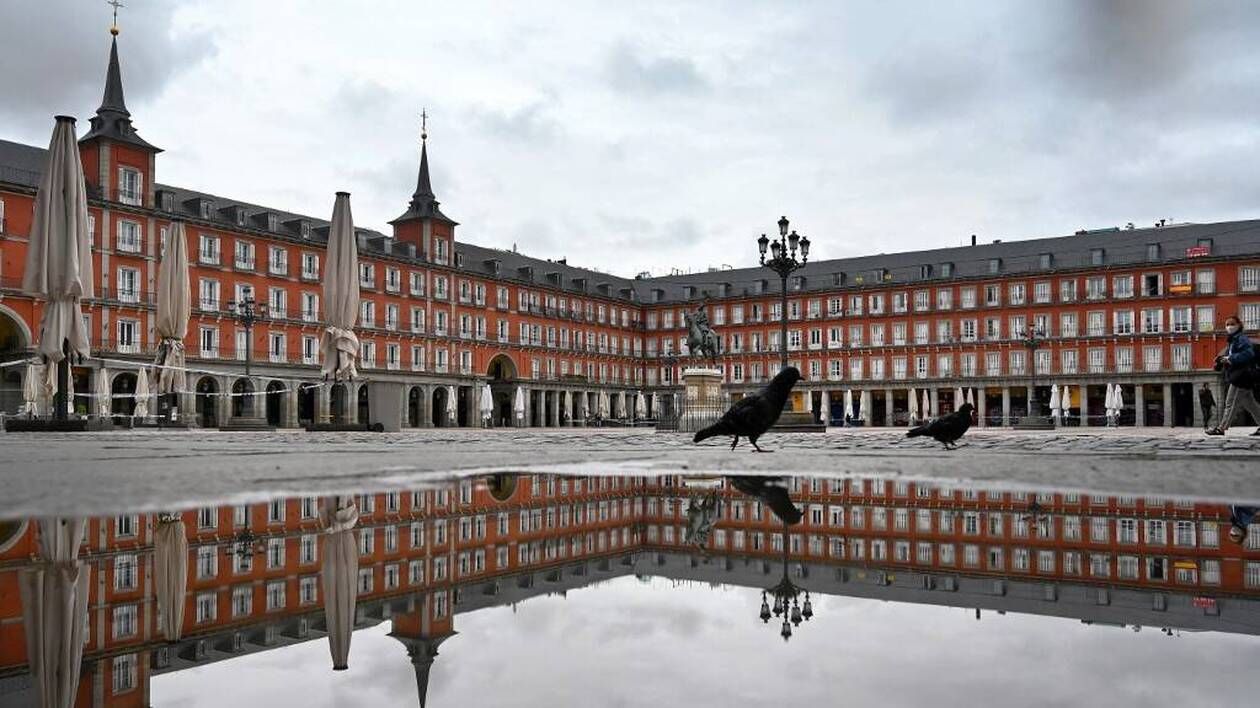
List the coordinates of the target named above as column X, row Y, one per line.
column 223, row 403
column 426, row 407
column 556, row 399
column 1199, row 422
column 1006, row 406
column 1084, row 406
column 888, row 408
column 289, row 417
column 1032, row 394
column 825, row 408
column 1139, row 406
column 934, row 396
column 982, row 409
column 1168, row 400
column 323, row 404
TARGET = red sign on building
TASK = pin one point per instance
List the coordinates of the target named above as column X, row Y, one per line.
column 1198, row 251
column 1205, row 603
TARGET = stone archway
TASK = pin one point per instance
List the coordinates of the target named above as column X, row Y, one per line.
column 364, row 404
column 502, row 375
column 337, row 407
column 274, row 404
column 206, row 402
column 242, row 398
column 306, row 403
column 15, row 339
column 440, row 395
column 123, row 388
column 415, row 406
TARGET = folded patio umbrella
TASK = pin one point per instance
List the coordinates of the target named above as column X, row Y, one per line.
column 174, row 307
column 54, row 595
column 339, row 345
column 170, row 556
column 142, row 394
column 103, row 396
column 340, row 575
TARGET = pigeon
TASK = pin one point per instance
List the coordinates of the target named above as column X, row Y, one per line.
column 752, row 415
column 771, row 491
column 947, row 429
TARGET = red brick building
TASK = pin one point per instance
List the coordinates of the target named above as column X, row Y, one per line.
column 1140, row 307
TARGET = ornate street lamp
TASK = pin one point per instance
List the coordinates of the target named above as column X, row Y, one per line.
column 786, row 596
column 247, row 312
column 783, row 261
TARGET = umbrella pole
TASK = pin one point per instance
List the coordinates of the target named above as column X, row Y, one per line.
column 63, row 382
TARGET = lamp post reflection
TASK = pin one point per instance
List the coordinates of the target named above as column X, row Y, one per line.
column 787, row 603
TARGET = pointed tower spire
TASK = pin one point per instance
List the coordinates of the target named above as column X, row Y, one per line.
column 112, row 119
column 424, row 204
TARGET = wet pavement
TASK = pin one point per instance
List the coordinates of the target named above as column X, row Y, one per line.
column 634, row 569
column 108, row 472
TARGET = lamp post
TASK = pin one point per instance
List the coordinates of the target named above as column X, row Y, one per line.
column 783, row 261
column 247, row 312
column 786, row 595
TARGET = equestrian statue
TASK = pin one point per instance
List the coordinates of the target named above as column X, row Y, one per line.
column 701, row 339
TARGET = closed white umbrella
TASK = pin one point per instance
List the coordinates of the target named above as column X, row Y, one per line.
column 641, row 406
column 865, row 405
column 59, row 254
column 54, row 597
column 1054, row 401
column 927, row 404
column 971, row 397
column 566, row 403
column 518, row 405
column 913, row 405
column 170, row 556
column 452, row 405
column 339, row 346
column 1119, row 400
column 826, row 407
column 340, row 575
column 103, row 398
column 142, row 394
column 174, row 307
column 487, row 403
column 848, row 404
column 958, row 398
column 1109, row 400
column 32, row 382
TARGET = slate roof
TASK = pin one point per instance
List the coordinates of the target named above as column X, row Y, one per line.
column 21, row 165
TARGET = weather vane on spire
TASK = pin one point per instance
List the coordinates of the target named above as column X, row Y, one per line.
column 115, row 4
column 424, row 125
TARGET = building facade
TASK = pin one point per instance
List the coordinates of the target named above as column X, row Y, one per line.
column 1137, row 307
column 426, row 556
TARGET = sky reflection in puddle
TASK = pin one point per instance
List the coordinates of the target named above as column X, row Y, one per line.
column 538, row 589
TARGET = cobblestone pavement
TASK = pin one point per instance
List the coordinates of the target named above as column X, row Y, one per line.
column 144, row 470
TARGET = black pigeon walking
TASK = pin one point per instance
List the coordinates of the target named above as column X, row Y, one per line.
column 948, row 428
column 752, row 415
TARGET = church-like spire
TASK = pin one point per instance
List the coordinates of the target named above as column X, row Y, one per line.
column 423, row 205
column 112, row 119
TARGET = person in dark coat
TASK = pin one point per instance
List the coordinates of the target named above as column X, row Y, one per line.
column 1240, row 519
column 1237, row 362
column 1207, row 402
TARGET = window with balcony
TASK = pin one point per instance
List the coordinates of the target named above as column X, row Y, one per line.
column 128, row 236
column 130, row 186
column 128, row 285
column 209, row 338
column 278, row 261
column 243, row 252
column 367, row 275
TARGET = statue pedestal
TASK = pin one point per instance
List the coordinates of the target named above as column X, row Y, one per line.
column 703, row 400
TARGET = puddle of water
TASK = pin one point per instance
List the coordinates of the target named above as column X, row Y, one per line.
column 521, row 589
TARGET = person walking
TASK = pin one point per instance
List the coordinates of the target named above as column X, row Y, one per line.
column 1237, row 362
column 1207, row 402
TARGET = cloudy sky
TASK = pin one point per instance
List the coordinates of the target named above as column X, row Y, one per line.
column 626, row 643
column 645, row 136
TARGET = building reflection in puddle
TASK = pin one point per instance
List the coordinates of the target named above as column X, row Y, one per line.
column 260, row 576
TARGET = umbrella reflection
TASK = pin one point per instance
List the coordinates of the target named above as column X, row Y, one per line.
column 341, row 565
column 54, row 611
column 170, row 551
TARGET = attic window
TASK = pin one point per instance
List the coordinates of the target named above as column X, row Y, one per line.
column 798, row 282
column 1152, row 251
column 168, row 201
column 1097, row 256
column 459, row 260
column 205, row 209
column 273, row 222
column 1045, row 261
column 884, row 274
column 840, row 279
column 947, row 270
column 688, row 291
column 925, row 272
column 995, row 265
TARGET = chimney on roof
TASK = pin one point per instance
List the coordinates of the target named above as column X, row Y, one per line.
column 973, row 239
column 562, row 261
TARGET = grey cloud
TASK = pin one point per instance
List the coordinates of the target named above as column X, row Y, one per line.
column 530, row 123
column 628, row 72
column 56, row 52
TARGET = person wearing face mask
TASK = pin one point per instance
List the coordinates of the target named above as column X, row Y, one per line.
column 1238, row 362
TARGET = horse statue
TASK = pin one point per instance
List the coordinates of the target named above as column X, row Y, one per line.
column 702, row 516
column 701, row 339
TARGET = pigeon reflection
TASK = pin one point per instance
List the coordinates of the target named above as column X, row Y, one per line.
column 703, row 512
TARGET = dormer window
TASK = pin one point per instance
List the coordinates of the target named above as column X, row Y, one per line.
column 925, row 272
column 1097, row 256
column 130, row 186
column 947, row 270
column 1045, row 261
column 273, row 222
column 205, row 209
column 798, row 282
column 995, row 265
column 305, row 229
column 688, row 291
column 168, row 201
